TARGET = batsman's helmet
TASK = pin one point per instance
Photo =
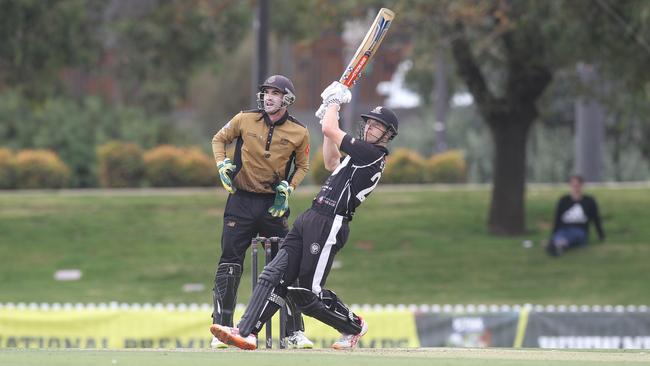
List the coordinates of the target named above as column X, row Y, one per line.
column 281, row 83
column 386, row 117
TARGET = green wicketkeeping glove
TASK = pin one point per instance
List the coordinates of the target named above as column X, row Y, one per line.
column 281, row 203
column 226, row 167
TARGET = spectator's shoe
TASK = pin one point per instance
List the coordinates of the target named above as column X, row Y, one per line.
column 349, row 341
column 231, row 337
column 299, row 340
column 217, row 344
column 553, row 249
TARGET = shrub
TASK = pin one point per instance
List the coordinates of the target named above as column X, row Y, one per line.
column 163, row 166
column 40, row 169
column 199, row 168
column 120, row 164
column 7, row 169
column 447, row 167
column 404, row 166
column 169, row 166
column 75, row 128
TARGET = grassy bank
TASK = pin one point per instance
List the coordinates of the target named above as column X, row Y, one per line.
column 415, row 245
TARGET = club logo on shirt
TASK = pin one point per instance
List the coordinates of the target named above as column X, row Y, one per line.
column 574, row 215
column 314, row 248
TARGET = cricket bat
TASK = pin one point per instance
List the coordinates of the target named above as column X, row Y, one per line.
column 368, row 47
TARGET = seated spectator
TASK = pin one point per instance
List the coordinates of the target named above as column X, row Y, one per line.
column 574, row 213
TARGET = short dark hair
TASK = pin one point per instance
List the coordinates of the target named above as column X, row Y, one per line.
column 577, row 177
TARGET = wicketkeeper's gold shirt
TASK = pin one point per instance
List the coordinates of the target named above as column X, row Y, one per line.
column 264, row 151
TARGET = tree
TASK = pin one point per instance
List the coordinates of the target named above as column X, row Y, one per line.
column 158, row 46
column 507, row 52
column 510, row 112
column 39, row 38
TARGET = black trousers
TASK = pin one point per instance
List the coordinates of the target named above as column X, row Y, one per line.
column 246, row 216
column 312, row 245
column 307, row 255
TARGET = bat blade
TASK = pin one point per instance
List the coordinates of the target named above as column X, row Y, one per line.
column 368, row 47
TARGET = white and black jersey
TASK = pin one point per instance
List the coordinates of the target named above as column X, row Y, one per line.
column 353, row 180
column 309, row 248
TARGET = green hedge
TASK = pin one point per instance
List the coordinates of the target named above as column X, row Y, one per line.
column 447, row 167
column 407, row 166
column 124, row 164
column 199, row 168
column 40, row 169
column 404, row 166
column 120, row 165
column 170, row 166
column 7, row 169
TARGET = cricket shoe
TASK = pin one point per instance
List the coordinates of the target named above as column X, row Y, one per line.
column 230, row 336
column 217, row 344
column 349, row 341
column 299, row 340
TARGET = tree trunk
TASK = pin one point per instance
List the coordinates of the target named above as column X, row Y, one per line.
column 441, row 101
column 509, row 117
column 507, row 215
column 590, row 126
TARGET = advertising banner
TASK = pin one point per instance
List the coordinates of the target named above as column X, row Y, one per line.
column 123, row 326
column 602, row 330
column 165, row 328
column 467, row 330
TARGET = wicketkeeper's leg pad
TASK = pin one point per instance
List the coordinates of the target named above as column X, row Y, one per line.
column 226, row 283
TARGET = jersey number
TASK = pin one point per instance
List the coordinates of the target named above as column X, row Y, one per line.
column 361, row 196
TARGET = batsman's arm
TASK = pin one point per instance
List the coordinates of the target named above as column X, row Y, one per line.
column 333, row 135
column 226, row 135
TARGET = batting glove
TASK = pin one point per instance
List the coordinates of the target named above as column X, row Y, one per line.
column 335, row 93
column 226, row 167
column 281, row 203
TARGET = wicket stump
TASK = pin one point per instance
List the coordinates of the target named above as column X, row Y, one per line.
column 256, row 243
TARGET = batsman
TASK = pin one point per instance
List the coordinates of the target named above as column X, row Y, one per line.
column 321, row 231
column 271, row 158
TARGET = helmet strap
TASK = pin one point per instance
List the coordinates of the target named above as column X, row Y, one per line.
column 260, row 100
column 288, row 98
column 362, row 133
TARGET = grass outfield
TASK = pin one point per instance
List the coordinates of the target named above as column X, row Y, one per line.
column 407, row 245
column 392, row 357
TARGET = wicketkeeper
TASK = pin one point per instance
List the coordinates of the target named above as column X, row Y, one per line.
column 321, row 231
column 271, row 158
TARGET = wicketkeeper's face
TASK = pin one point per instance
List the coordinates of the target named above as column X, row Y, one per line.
column 272, row 100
